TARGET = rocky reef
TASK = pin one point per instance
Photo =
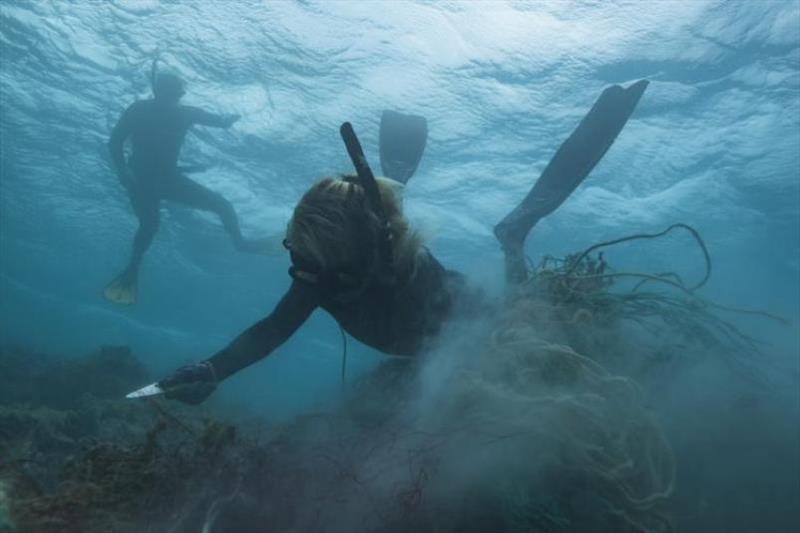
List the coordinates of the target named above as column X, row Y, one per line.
column 545, row 419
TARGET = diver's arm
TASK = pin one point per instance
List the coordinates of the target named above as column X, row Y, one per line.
column 194, row 382
column 195, row 115
column 119, row 134
column 263, row 337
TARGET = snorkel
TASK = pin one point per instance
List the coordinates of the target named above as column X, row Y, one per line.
column 167, row 86
column 367, row 180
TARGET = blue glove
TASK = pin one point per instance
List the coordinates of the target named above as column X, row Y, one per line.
column 191, row 383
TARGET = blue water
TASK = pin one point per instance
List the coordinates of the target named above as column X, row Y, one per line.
column 715, row 143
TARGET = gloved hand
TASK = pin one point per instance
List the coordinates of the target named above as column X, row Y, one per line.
column 191, row 383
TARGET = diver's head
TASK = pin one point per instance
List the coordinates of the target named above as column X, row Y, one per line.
column 168, row 87
column 333, row 227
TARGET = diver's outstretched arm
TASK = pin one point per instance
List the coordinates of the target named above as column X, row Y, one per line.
column 193, row 383
column 258, row 341
column 202, row 117
column 571, row 164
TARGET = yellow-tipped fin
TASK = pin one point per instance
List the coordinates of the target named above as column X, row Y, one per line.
column 121, row 291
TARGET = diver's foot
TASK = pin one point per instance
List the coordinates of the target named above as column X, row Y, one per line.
column 516, row 270
column 508, row 238
column 122, row 290
column 513, row 249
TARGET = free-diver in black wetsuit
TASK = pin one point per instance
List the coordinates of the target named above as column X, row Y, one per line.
column 157, row 128
column 398, row 318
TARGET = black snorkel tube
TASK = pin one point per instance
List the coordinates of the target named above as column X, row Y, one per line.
column 367, row 180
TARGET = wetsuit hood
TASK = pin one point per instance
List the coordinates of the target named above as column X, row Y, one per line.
column 376, row 259
column 168, row 86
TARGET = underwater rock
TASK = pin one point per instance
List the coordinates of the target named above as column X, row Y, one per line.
column 376, row 464
column 536, row 429
column 49, row 406
column 79, row 457
column 36, row 379
column 6, row 526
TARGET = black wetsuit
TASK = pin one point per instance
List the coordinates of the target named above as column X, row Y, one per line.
column 157, row 131
column 395, row 319
column 398, row 319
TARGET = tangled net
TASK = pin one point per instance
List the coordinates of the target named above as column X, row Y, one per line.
column 606, row 450
column 533, row 428
column 583, row 305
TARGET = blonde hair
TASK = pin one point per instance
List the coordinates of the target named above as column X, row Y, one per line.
column 332, row 224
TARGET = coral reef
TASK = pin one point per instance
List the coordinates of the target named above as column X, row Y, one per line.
column 511, row 445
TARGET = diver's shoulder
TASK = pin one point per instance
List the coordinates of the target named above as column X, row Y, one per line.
column 139, row 106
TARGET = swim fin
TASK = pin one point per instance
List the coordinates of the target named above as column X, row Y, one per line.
column 571, row 164
column 122, row 290
column 402, row 143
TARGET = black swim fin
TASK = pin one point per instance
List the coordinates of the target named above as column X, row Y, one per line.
column 402, row 143
column 571, row 164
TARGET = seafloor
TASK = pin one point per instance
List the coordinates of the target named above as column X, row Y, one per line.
column 578, row 408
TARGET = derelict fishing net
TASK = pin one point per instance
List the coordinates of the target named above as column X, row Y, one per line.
column 529, row 420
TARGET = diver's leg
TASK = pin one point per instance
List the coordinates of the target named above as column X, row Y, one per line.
column 145, row 204
column 570, row 165
column 191, row 193
column 146, row 207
